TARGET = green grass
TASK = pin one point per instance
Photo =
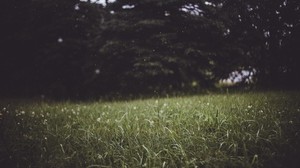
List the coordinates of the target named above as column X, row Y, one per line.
column 259, row 129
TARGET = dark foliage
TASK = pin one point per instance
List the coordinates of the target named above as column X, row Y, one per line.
column 75, row 49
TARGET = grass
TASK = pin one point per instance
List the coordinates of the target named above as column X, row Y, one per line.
column 260, row 129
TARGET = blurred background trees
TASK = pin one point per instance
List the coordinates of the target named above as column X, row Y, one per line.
column 76, row 48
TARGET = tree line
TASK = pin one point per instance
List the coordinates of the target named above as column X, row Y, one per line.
column 83, row 48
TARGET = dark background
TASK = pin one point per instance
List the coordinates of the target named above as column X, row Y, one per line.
column 75, row 49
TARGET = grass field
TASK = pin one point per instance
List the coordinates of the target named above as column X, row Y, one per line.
column 257, row 129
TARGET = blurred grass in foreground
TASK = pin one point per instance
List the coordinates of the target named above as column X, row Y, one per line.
column 259, row 129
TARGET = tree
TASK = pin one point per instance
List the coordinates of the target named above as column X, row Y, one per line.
column 169, row 44
column 46, row 45
column 14, row 41
column 264, row 28
column 72, row 48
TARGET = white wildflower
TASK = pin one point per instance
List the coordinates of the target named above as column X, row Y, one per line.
column 151, row 122
column 97, row 71
column 60, row 40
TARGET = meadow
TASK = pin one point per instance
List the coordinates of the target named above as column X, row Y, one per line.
column 217, row 130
